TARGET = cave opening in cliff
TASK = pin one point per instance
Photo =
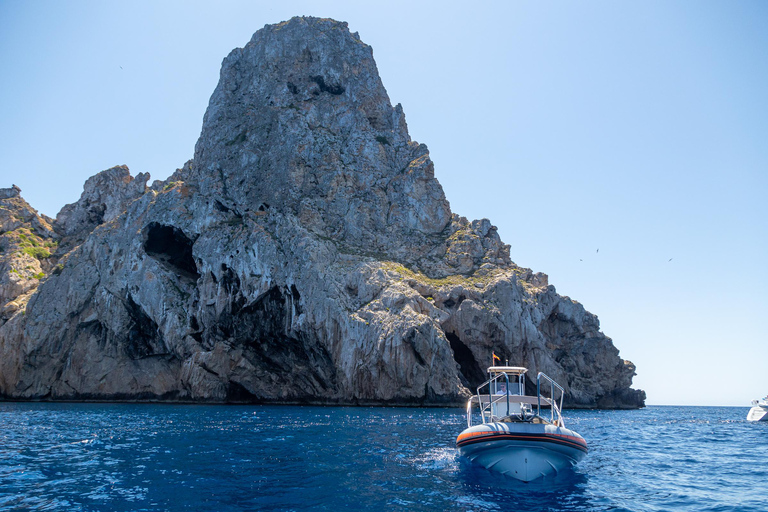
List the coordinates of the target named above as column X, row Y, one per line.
column 143, row 338
column 297, row 362
column 172, row 248
column 471, row 373
column 325, row 86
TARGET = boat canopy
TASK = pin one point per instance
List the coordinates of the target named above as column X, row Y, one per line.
column 511, row 370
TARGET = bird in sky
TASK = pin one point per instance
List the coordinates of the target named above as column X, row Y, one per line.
column 670, row 259
column 598, row 250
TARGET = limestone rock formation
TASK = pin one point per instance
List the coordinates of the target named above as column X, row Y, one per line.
column 306, row 254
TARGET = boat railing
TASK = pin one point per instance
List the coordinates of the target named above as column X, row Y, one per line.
column 490, row 402
column 484, row 403
column 555, row 417
column 487, row 401
column 486, row 408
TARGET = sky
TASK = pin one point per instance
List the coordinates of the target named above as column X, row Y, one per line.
column 619, row 147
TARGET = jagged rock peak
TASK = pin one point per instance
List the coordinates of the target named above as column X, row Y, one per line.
column 7, row 193
column 105, row 196
column 300, row 121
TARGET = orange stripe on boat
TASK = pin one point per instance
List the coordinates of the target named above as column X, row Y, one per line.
column 522, row 436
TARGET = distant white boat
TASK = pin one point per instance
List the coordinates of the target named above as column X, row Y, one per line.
column 515, row 436
column 759, row 410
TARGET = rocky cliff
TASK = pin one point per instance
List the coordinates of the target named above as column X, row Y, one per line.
column 306, row 254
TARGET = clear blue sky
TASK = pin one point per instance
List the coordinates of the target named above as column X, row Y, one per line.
column 636, row 128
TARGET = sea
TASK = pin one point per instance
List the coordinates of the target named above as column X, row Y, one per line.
column 136, row 457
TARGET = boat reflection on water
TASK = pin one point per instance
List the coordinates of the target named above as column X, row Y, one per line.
column 513, row 437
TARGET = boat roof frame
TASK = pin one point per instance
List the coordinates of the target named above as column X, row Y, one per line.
column 512, row 370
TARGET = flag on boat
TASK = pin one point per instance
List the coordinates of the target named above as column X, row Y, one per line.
column 495, row 358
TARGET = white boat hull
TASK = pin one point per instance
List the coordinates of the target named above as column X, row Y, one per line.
column 525, row 451
column 758, row 413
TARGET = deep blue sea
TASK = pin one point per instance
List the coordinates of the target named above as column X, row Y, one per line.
column 230, row 458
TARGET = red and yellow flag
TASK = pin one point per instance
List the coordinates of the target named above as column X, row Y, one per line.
column 495, row 357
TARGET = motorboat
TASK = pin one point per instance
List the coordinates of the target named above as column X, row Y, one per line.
column 759, row 410
column 515, row 434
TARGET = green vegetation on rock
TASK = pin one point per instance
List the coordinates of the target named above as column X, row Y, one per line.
column 452, row 280
column 39, row 253
column 33, row 245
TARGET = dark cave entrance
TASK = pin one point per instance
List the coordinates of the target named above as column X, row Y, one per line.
column 143, row 338
column 296, row 362
column 471, row 373
column 172, row 248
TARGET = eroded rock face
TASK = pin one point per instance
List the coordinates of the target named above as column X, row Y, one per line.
column 306, row 254
column 352, row 173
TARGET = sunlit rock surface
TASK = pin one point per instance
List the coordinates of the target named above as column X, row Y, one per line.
column 306, row 254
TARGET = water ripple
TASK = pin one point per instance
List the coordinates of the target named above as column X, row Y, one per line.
column 175, row 457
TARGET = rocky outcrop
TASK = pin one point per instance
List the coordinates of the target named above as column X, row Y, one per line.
column 306, row 254
column 27, row 242
column 10, row 193
column 105, row 196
